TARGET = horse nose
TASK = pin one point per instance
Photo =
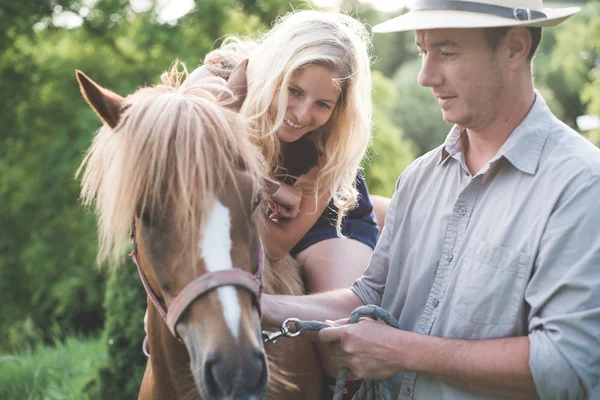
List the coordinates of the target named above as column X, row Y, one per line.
column 239, row 378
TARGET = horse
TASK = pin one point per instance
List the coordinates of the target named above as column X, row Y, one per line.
column 173, row 169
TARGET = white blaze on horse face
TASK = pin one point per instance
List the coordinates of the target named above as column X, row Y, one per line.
column 216, row 251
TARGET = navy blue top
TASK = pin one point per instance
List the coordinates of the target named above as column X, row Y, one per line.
column 359, row 224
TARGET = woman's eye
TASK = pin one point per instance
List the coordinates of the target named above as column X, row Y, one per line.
column 324, row 105
column 293, row 92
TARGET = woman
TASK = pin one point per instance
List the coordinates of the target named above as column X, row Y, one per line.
column 309, row 95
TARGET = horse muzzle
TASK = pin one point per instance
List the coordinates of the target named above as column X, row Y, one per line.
column 232, row 374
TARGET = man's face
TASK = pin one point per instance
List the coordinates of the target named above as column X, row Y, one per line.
column 464, row 75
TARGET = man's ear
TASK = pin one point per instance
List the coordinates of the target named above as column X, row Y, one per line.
column 238, row 84
column 518, row 41
column 106, row 104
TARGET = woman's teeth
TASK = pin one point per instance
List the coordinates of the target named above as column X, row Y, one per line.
column 293, row 125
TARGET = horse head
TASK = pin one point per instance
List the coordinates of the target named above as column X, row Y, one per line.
column 174, row 167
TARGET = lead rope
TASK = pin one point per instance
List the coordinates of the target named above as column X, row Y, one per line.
column 369, row 390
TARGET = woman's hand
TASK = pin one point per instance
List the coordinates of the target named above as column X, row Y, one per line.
column 279, row 211
column 285, row 201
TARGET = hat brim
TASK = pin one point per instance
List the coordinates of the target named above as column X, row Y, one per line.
column 446, row 19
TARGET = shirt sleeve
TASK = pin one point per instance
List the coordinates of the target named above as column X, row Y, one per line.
column 564, row 295
column 369, row 287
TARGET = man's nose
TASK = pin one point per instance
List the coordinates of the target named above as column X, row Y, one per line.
column 429, row 75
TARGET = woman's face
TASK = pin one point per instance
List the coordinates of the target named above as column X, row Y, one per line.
column 312, row 97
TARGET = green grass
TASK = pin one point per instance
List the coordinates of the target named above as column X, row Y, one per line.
column 53, row 372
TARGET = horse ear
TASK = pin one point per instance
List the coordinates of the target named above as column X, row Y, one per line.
column 238, row 84
column 108, row 105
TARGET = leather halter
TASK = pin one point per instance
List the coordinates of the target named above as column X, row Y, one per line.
column 202, row 285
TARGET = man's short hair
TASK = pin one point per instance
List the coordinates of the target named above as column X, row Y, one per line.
column 494, row 35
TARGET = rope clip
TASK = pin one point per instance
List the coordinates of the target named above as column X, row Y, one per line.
column 283, row 331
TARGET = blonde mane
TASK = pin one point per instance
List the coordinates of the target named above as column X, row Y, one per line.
column 171, row 142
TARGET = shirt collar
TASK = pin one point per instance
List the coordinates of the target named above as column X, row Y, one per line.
column 522, row 149
column 454, row 144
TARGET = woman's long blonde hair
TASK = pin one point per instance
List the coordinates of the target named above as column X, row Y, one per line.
column 297, row 40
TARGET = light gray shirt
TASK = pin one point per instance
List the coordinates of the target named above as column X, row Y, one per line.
column 511, row 251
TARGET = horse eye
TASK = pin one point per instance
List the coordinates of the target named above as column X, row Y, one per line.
column 257, row 200
column 146, row 218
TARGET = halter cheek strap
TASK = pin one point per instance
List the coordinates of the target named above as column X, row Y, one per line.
column 202, row 285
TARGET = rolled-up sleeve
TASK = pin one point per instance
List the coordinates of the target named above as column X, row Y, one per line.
column 369, row 287
column 564, row 295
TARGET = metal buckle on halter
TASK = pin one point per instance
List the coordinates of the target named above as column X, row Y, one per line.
column 522, row 14
column 283, row 331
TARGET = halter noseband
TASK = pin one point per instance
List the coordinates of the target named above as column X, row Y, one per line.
column 202, row 285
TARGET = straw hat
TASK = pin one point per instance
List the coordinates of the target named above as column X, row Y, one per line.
column 437, row 14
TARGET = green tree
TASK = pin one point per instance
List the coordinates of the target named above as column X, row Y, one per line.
column 125, row 304
column 47, row 270
column 390, row 153
column 415, row 110
column 567, row 64
column 390, row 50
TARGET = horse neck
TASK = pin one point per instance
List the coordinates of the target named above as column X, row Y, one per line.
column 170, row 359
column 282, row 276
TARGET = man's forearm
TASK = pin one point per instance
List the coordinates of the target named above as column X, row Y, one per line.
column 332, row 305
column 495, row 366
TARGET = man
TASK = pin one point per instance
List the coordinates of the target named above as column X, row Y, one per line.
column 490, row 255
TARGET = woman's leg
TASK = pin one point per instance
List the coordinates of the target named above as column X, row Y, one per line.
column 333, row 264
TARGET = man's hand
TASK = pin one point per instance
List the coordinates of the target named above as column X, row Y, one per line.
column 372, row 350
column 367, row 348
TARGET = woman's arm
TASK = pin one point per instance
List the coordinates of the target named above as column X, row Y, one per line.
column 283, row 234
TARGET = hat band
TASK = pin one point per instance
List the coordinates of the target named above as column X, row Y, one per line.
column 520, row 14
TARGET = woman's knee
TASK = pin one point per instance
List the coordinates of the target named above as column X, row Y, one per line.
column 333, row 263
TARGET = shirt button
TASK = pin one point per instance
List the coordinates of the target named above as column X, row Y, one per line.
column 449, row 257
column 462, row 211
column 407, row 392
column 436, row 302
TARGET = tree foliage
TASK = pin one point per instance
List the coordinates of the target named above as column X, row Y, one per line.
column 390, row 152
column 416, row 111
